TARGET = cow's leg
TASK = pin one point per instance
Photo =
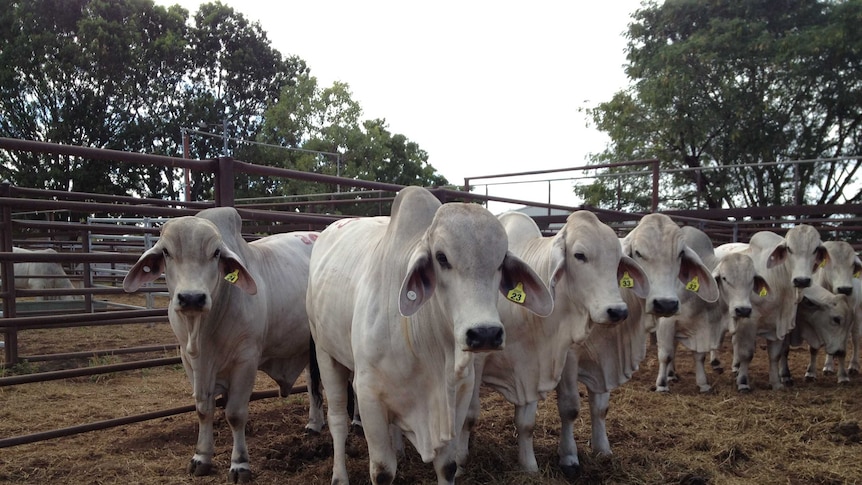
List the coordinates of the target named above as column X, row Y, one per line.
column 666, row 344
column 316, row 417
column 811, row 370
column 525, row 421
column 700, row 372
column 843, row 378
column 444, row 463
column 855, row 336
column 828, row 365
column 599, row 404
column 775, row 349
column 382, row 457
column 335, row 379
column 472, row 418
column 568, row 406
column 236, row 413
column 743, row 352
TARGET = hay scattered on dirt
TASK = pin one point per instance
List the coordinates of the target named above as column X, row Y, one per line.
column 807, row 434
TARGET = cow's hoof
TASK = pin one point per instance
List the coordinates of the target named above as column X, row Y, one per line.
column 662, row 389
column 705, row 389
column 199, row 468
column 844, row 382
column 809, row 378
column 239, row 475
column 828, row 372
column 309, row 431
column 853, row 372
column 744, row 389
column 572, row 472
column 787, row 381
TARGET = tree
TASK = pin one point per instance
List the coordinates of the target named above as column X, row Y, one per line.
column 322, row 129
column 723, row 83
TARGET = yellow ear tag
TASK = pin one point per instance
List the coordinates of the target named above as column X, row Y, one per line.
column 232, row 276
column 857, row 274
column 517, row 294
column 627, row 281
column 693, row 285
column 823, row 263
column 763, row 292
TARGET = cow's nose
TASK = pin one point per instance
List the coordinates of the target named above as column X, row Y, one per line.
column 742, row 311
column 192, row 300
column 665, row 307
column 617, row 314
column 485, row 338
column 845, row 290
column 801, row 282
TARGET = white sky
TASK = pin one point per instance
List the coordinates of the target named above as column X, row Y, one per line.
column 484, row 87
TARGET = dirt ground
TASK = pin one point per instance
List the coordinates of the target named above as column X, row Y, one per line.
column 807, row 434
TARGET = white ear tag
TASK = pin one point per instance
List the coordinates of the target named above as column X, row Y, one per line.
column 411, row 295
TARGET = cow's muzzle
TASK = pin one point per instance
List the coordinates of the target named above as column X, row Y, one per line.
column 192, row 300
column 485, row 337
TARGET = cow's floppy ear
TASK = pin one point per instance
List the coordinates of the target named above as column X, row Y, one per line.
column 419, row 284
column 235, row 272
column 148, row 268
column 761, row 287
column 696, row 276
column 637, row 281
column 523, row 286
column 821, row 257
column 777, row 256
column 557, row 262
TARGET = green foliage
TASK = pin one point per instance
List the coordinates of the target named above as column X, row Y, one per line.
column 728, row 83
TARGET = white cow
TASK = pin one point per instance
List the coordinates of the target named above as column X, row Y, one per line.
column 235, row 308
column 700, row 325
column 610, row 354
column 583, row 265
column 840, row 274
column 787, row 263
column 823, row 319
column 402, row 304
column 41, row 275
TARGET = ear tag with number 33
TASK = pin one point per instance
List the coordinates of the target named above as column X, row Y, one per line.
column 517, row 294
column 627, row 281
column 693, row 285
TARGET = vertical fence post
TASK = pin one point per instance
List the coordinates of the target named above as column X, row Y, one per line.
column 655, row 185
column 8, row 270
column 224, row 196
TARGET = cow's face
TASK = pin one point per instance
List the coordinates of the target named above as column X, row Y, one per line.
column 840, row 269
column 463, row 259
column 738, row 283
column 657, row 245
column 830, row 316
column 589, row 269
column 805, row 254
column 196, row 263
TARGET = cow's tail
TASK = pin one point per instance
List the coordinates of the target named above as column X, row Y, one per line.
column 314, row 387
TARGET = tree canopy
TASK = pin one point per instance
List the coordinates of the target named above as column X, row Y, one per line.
column 743, row 86
column 130, row 75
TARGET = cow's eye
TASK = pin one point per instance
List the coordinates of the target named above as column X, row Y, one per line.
column 165, row 253
column 581, row 257
column 638, row 254
column 444, row 262
column 217, row 254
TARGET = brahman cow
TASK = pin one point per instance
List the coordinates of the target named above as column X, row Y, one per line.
column 235, row 307
column 41, row 275
column 787, row 263
column 402, row 304
column 700, row 325
column 610, row 354
column 823, row 319
column 584, row 267
column 840, row 274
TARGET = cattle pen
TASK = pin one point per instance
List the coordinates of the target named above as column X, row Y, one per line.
column 39, row 218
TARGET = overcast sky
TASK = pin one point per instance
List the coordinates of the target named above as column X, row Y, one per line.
column 485, row 87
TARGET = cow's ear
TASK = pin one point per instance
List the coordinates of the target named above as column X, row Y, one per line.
column 521, row 285
column 419, row 284
column 557, row 262
column 777, row 256
column 235, row 272
column 761, row 287
column 821, row 257
column 630, row 275
column 148, row 268
column 696, row 276
column 857, row 267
